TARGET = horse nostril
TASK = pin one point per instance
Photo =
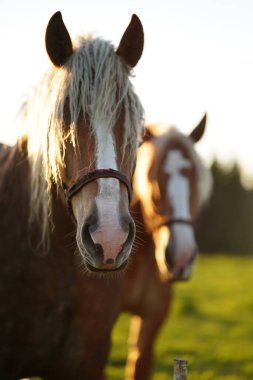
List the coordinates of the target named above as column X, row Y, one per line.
column 98, row 249
column 131, row 234
column 88, row 242
column 170, row 253
column 109, row 261
column 107, row 245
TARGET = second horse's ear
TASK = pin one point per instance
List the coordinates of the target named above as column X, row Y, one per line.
column 58, row 41
column 132, row 42
column 148, row 135
column 198, row 131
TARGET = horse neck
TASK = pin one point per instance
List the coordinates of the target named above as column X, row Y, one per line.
column 15, row 197
column 63, row 221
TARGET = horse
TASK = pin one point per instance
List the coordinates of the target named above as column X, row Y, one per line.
column 171, row 186
column 65, row 190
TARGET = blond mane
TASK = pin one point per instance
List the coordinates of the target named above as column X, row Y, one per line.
column 153, row 151
column 95, row 83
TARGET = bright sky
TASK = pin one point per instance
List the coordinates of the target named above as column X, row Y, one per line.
column 198, row 57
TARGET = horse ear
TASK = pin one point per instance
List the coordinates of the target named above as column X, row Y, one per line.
column 131, row 44
column 198, row 131
column 148, row 135
column 58, row 41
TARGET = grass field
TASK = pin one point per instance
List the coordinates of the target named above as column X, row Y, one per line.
column 211, row 324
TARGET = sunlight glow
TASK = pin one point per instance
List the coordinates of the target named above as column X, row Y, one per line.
column 198, row 57
column 161, row 238
column 143, row 187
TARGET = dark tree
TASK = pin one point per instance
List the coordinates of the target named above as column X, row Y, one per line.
column 226, row 223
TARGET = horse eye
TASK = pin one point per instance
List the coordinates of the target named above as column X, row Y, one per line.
column 168, row 175
column 186, row 172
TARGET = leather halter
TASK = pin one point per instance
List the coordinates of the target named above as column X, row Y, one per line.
column 170, row 222
column 69, row 192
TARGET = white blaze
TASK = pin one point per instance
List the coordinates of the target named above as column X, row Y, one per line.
column 109, row 231
column 178, row 193
column 106, row 159
column 178, row 190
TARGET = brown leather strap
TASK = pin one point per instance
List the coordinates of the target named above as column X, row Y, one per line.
column 179, row 220
column 169, row 222
column 92, row 176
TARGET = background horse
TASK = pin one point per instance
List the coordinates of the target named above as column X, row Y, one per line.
column 171, row 185
column 65, row 187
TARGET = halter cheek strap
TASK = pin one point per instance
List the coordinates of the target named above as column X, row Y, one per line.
column 69, row 192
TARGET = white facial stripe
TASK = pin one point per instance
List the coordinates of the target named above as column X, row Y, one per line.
column 178, row 190
column 106, row 156
column 184, row 248
column 109, row 232
column 109, row 188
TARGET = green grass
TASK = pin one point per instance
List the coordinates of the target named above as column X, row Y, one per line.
column 210, row 325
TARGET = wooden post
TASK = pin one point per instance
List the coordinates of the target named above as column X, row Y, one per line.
column 180, row 369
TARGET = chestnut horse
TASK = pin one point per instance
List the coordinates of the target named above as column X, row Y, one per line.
column 171, row 185
column 65, row 188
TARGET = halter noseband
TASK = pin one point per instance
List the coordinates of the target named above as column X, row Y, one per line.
column 170, row 222
column 178, row 220
column 69, row 192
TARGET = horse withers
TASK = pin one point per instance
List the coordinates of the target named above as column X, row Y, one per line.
column 171, row 186
column 65, row 187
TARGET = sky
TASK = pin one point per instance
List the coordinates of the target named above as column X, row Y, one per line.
column 198, row 57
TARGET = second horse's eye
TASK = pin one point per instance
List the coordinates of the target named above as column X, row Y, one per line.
column 186, row 172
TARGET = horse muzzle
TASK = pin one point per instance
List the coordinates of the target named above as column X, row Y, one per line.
column 106, row 249
column 184, row 273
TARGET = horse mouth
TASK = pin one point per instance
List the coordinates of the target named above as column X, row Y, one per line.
column 107, row 269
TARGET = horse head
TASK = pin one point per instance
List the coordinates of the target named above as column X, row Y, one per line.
column 87, row 143
column 172, row 184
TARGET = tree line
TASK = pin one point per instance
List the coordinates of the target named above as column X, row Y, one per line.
column 226, row 222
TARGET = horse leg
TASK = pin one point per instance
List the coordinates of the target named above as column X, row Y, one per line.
column 143, row 333
column 133, row 353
